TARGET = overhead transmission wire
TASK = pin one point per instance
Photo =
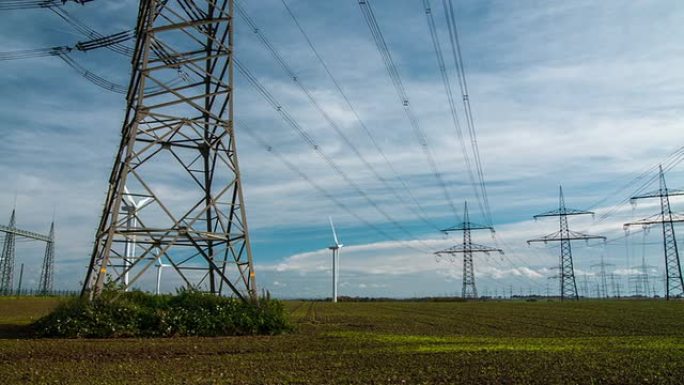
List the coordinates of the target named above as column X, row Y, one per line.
column 478, row 186
column 393, row 73
column 470, row 122
column 63, row 52
column 452, row 104
column 648, row 176
column 293, row 167
column 289, row 71
column 87, row 31
column 10, row 5
column 309, row 140
column 422, row 214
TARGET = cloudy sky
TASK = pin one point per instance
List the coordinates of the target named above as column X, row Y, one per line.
column 585, row 94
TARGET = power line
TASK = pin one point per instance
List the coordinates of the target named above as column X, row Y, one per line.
column 289, row 71
column 422, row 215
column 11, row 5
column 452, row 105
column 293, row 167
column 470, row 122
column 393, row 73
column 277, row 106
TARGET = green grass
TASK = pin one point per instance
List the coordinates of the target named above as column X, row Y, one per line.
column 614, row 342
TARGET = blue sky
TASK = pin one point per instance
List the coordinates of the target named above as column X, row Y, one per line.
column 583, row 93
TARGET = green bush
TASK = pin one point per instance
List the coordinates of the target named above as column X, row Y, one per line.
column 137, row 314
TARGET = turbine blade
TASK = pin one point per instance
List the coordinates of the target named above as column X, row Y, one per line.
column 333, row 231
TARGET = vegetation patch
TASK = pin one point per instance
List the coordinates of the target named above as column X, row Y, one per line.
column 138, row 314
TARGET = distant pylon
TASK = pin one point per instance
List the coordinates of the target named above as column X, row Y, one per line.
column 47, row 272
column 178, row 150
column 674, row 284
column 467, row 249
column 568, row 285
column 8, row 254
column 603, row 277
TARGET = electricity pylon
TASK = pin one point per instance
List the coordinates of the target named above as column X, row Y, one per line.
column 47, row 272
column 674, row 285
column 568, row 285
column 7, row 263
column 467, row 249
column 178, row 150
column 8, row 251
column 603, row 278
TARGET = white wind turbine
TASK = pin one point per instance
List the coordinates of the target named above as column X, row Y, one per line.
column 335, row 260
column 131, row 207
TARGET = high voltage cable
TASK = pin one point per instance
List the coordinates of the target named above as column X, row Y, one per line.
column 293, row 76
column 649, row 175
column 9, row 5
column 85, row 30
column 277, row 106
column 393, row 73
column 478, row 186
column 422, row 215
column 322, row 190
column 91, row 77
column 348, row 210
column 452, row 104
column 63, row 52
column 470, row 123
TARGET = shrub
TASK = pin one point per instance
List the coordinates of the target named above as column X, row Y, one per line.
column 137, row 314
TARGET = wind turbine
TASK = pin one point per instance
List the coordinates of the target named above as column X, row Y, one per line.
column 131, row 208
column 335, row 260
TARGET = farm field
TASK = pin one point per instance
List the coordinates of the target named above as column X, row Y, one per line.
column 616, row 342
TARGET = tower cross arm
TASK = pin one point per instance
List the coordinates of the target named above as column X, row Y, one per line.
column 24, row 233
column 657, row 194
column 474, row 248
column 571, row 236
column 467, row 226
column 654, row 220
column 564, row 211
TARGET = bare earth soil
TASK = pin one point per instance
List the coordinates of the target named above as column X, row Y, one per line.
column 495, row 342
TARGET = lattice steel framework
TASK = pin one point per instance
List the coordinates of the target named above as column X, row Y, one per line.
column 178, row 151
column 8, row 253
column 566, row 273
column 674, row 284
column 468, row 248
column 47, row 271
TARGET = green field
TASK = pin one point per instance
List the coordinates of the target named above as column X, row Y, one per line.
column 618, row 342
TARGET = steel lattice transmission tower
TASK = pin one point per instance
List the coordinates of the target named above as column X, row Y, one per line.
column 468, row 248
column 568, row 285
column 603, row 276
column 178, row 150
column 8, row 254
column 674, row 285
column 47, row 272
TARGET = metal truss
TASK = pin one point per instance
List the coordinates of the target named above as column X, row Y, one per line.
column 178, row 153
column 674, row 284
column 47, row 271
column 468, row 248
column 566, row 272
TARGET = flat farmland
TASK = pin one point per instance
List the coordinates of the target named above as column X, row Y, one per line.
column 495, row 342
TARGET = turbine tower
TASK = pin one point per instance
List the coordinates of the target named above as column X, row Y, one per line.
column 336, row 248
column 674, row 284
column 568, row 285
column 178, row 152
column 131, row 208
column 468, row 248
